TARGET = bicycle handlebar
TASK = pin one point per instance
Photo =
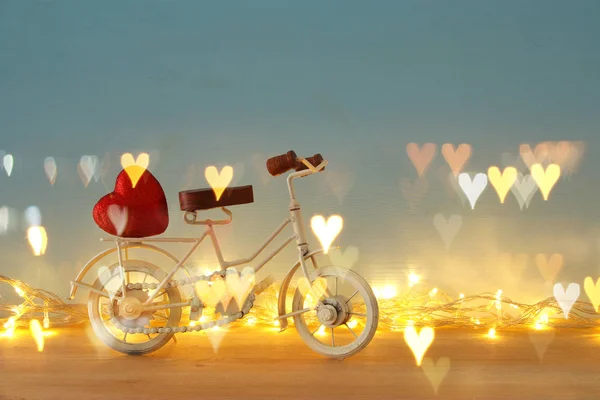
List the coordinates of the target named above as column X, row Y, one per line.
column 283, row 163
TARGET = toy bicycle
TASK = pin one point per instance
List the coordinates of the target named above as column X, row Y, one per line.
column 135, row 307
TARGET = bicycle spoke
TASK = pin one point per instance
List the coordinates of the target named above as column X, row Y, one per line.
column 336, row 285
column 358, row 314
column 315, row 331
column 332, row 338
column 350, row 298
column 125, row 337
column 350, row 329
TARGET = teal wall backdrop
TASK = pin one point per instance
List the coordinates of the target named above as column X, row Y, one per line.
column 198, row 83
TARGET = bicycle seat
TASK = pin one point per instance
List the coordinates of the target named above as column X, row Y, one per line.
column 205, row 199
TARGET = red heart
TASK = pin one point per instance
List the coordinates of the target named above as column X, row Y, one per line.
column 146, row 204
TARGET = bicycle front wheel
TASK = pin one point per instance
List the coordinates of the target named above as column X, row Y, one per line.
column 346, row 317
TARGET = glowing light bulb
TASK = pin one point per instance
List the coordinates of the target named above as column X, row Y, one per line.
column 492, row 333
column 10, row 324
column 386, row 292
column 413, row 279
column 461, row 296
column 538, row 326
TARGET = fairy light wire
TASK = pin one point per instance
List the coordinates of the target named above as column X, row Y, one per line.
column 415, row 308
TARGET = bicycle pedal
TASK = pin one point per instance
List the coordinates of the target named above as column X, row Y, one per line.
column 263, row 285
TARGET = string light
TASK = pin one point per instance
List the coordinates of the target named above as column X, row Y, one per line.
column 411, row 309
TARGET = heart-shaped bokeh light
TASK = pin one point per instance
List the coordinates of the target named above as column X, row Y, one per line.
column 38, row 239
column 502, row 182
column 35, row 328
column 566, row 298
column 240, row 286
column 593, row 292
column 545, row 179
column 447, row 228
column 472, row 188
column 456, row 158
column 421, row 158
column 418, row 342
column 118, row 217
column 326, row 232
column 8, row 162
column 50, row 169
column 135, row 167
column 436, row 372
column 87, row 168
column 218, row 181
column 315, row 290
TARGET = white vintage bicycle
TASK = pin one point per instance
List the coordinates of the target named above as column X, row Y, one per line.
column 135, row 307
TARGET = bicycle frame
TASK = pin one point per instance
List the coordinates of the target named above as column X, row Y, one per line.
column 295, row 219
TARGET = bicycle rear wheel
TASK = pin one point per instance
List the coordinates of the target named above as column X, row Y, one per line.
column 345, row 322
column 138, row 271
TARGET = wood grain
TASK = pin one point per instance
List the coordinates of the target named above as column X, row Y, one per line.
column 263, row 364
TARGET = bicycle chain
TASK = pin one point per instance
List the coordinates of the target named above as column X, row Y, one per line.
column 248, row 304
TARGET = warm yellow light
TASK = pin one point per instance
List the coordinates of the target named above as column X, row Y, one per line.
column 10, row 324
column 492, row 333
column 19, row 291
column 461, row 296
column 538, row 326
column 352, row 324
column 321, row 331
column 413, row 279
column 386, row 292
column 326, row 231
column 433, row 292
column 276, row 322
column 38, row 333
column 38, row 239
column 9, row 332
column 192, row 323
column 541, row 322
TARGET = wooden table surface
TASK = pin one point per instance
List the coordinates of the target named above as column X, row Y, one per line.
column 264, row 364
